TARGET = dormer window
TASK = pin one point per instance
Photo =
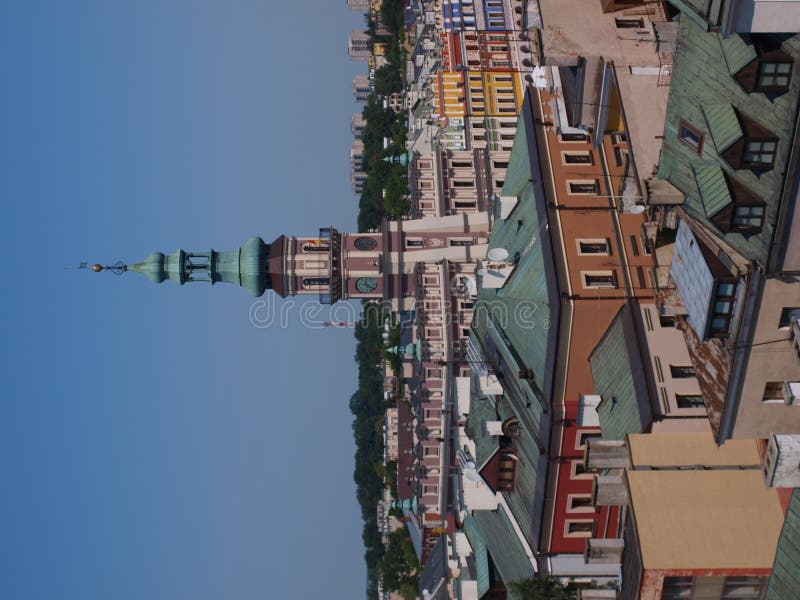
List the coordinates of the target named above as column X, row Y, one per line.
column 759, row 153
column 690, row 136
column 747, row 218
column 774, row 76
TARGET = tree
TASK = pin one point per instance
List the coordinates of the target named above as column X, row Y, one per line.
column 388, row 80
column 400, row 568
column 540, row 588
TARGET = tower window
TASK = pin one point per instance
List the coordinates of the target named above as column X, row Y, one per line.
column 315, row 281
column 365, row 243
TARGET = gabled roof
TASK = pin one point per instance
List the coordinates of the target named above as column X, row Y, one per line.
column 700, row 80
column 723, row 125
column 492, row 532
column 515, row 327
column 619, row 377
column 785, row 579
column 738, row 51
column 714, row 191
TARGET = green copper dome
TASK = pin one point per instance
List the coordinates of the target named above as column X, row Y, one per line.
column 246, row 266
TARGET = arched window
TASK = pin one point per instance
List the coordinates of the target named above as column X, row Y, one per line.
column 315, row 281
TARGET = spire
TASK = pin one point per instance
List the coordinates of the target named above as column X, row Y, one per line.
column 247, row 266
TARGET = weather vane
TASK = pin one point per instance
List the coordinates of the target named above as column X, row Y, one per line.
column 118, row 268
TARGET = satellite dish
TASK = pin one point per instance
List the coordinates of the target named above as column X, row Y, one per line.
column 497, row 254
column 483, row 272
column 471, row 475
column 637, row 209
column 470, row 465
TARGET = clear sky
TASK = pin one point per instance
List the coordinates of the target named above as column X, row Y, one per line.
column 153, row 443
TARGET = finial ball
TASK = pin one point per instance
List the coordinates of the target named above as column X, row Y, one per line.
column 97, row 268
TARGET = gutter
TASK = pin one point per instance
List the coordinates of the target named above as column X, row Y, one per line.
column 782, row 231
column 740, row 357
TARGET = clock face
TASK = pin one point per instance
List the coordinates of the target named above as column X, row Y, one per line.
column 366, row 285
column 365, row 243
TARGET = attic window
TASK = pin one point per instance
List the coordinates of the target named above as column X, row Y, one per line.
column 690, row 136
column 759, row 153
column 774, row 76
column 747, row 218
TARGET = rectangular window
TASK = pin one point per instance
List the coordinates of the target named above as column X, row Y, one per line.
column 576, row 158
column 579, row 529
column 774, row 76
column 604, row 279
column 414, row 243
column 689, row 401
column 722, row 309
column 787, row 313
column 629, row 23
column 580, row 503
column 620, row 156
column 583, row 436
column 690, row 136
column 430, row 490
column 593, row 246
column 759, row 153
column 747, row 217
column 578, row 471
column 677, row 588
column 773, row 392
column 430, row 451
column 573, row 137
column 743, row 588
column 667, row 321
column 681, row 371
column 464, row 242
column 582, row 187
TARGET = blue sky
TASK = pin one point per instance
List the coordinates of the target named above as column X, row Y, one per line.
column 153, row 443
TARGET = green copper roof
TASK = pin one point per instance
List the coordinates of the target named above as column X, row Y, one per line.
column 480, row 555
column 412, row 350
column 505, row 549
column 723, row 125
column 246, row 266
column 619, row 379
column 701, row 78
column 738, row 51
column 784, row 582
column 515, row 327
column 481, row 410
column 714, row 190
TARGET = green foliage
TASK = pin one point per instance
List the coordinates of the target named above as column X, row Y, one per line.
column 368, row 408
column 540, row 588
column 388, row 80
column 400, row 568
column 392, row 17
column 375, row 205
